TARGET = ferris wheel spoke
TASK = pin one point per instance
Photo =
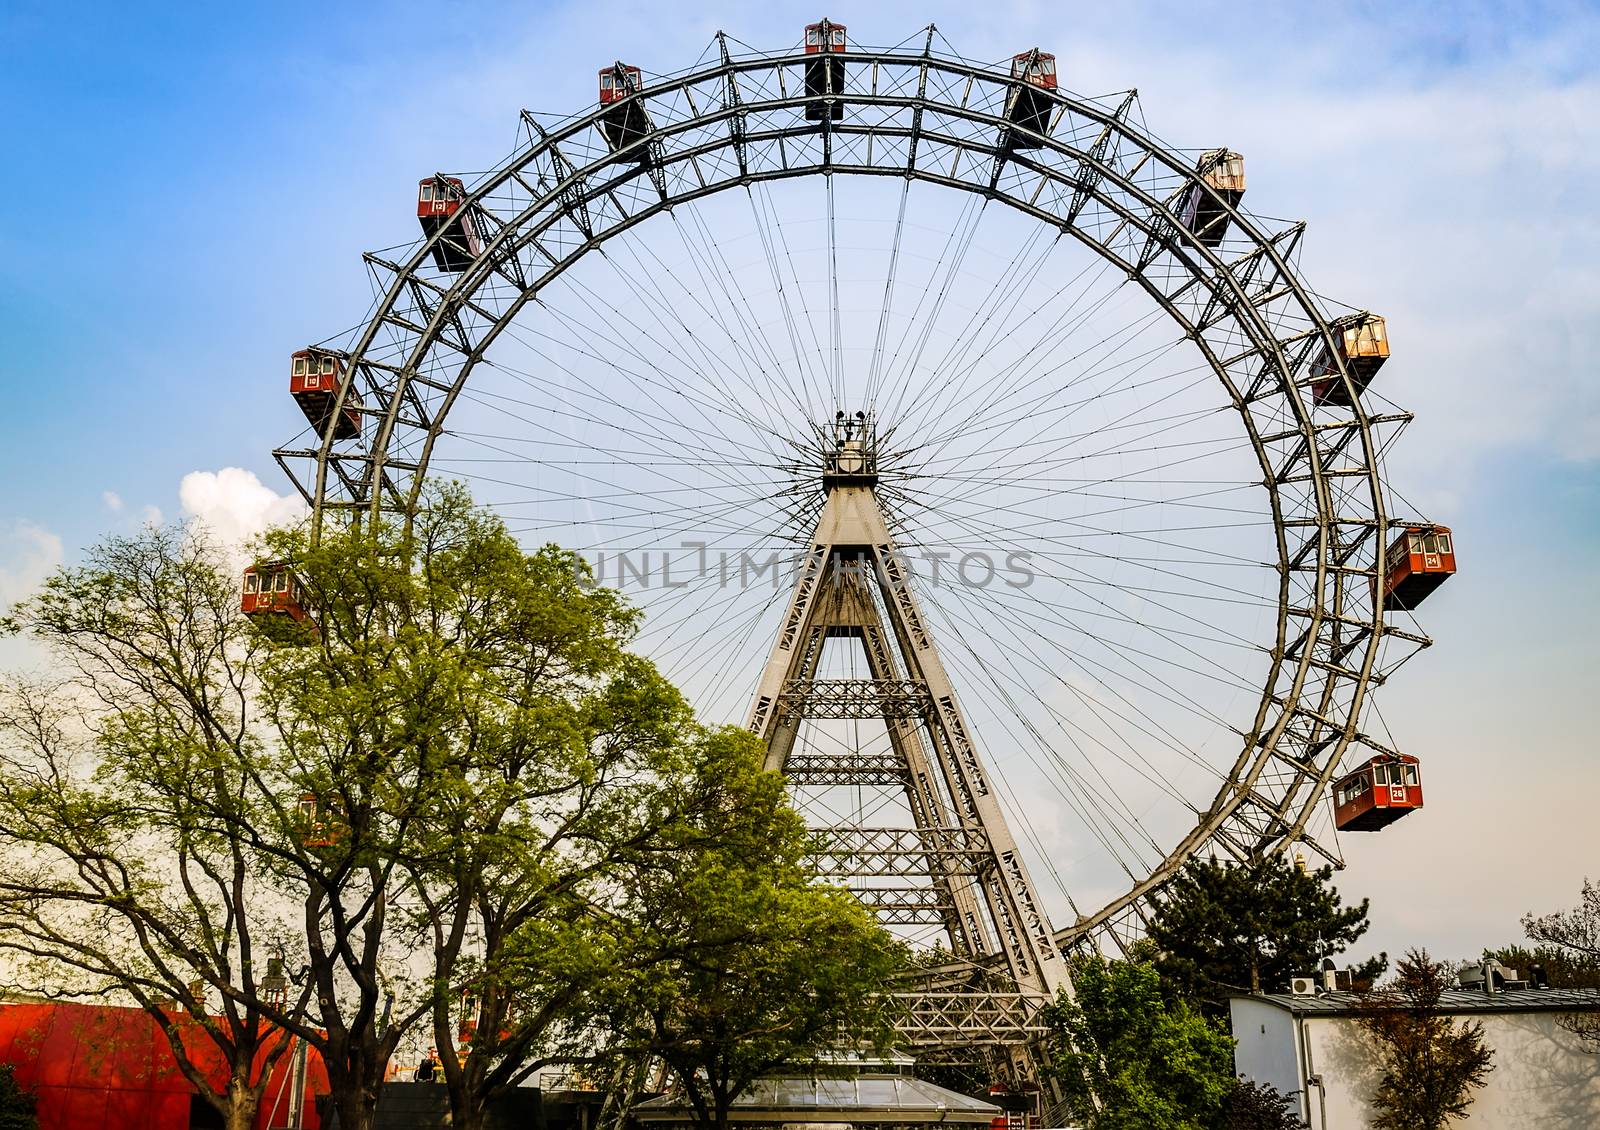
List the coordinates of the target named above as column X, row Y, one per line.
column 772, row 239
column 1073, row 545
column 946, row 378
column 1071, row 618
column 712, row 369
column 500, row 402
column 951, row 257
column 1026, row 370
column 881, row 337
column 1225, row 671
column 1072, row 788
column 612, row 342
column 604, row 343
column 1128, row 717
column 782, row 391
column 666, row 424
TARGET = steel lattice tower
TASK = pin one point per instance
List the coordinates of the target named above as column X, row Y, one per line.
column 958, row 867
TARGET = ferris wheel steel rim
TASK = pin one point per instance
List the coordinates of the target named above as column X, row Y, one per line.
column 1322, row 531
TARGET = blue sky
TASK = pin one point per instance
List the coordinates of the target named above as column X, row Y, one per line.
column 193, row 189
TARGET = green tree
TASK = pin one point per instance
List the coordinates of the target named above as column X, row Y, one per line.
column 1564, row 969
column 1431, row 1063
column 17, row 1105
column 1574, row 935
column 745, row 962
column 123, row 787
column 1149, row 1060
column 1223, row 929
column 1258, row 1106
column 495, row 751
column 479, row 749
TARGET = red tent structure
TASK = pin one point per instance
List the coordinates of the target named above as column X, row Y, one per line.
column 95, row 1066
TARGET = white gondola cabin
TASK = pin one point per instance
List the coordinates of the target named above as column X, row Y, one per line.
column 1220, row 186
column 314, row 377
column 440, row 208
column 825, row 72
column 1028, row 104
column 1362, row 342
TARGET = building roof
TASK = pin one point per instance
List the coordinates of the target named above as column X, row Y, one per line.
column 1453, row 1001
column 859, row 1099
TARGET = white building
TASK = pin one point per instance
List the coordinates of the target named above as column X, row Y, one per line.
column 1314, row 1047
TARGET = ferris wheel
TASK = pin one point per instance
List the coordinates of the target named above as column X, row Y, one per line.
column 1073, row 395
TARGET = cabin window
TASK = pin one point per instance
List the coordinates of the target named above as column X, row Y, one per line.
column 1414, row 540
column 813, row 37
column 327, row 364
column 1047, row 67
column 299, row 366
column 838, row 37
column 1411, row 775
column 427, row 192
column 1444, row 543
column 281, row 582
column 1380, row 775
column 1430, row 543
column 250, row 582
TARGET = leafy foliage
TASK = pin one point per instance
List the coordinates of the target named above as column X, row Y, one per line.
column 125, row 788
column 17, row 1105
column 1571, row 951
column 1564, row 969
column 745, row 963
column 1431, row 1063
column 484, row 757
column 1149, row 1060
column 1226, row 929
column 1258, row 1106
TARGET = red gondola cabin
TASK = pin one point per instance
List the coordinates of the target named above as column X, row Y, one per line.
column 1420, row 560
column 1377, row 794
column 319, row 828
column 439, row 201
column 272, row 590
column 824, row 75
column 618, row 81
column 314, row 376
column 1027, row 107
column 1019, row 1105
column 1221, row 171
column 626, row 122
column 1363, row 344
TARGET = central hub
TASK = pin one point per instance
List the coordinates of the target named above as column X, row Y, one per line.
column 852, row 457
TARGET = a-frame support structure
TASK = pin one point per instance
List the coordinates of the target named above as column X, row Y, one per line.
column 956, row 865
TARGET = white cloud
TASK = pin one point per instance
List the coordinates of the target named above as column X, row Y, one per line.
column 28, row 554
column 112, row 500
column 235, row 506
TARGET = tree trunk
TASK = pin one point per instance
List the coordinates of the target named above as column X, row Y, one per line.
column 241, row 1113
column 357, row 1107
